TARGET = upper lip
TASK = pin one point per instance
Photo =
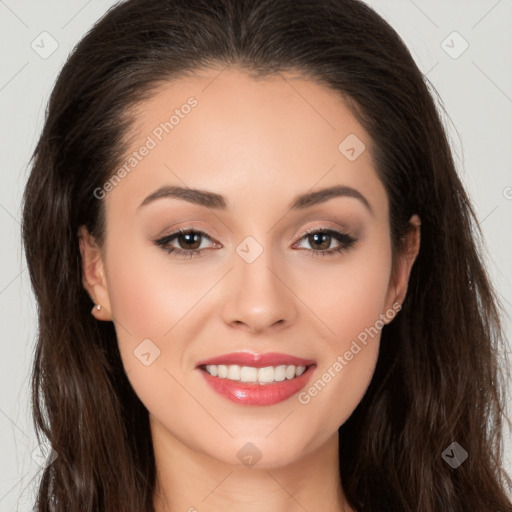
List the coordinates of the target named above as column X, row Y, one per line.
column 257, row 360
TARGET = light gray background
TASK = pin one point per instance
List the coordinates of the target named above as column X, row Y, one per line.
column 476, row 89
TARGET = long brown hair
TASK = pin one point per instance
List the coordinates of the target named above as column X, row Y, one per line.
column 438, row 378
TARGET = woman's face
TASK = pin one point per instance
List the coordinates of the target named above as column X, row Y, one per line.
column 287, row 322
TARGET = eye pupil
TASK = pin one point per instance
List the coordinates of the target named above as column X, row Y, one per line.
column 314, row 239
column 193, row 240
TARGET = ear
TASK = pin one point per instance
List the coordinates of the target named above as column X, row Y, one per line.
column 93, row 274
column 403, row 264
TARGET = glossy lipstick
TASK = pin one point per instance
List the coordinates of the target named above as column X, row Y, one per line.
column 255, row 393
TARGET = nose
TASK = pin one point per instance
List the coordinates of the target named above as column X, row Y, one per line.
column 258, row 297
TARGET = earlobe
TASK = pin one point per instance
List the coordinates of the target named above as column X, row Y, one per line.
column 93, row 275
column 404, row 262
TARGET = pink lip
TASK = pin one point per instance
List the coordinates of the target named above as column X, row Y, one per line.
column 248, row 393
column 257, row 360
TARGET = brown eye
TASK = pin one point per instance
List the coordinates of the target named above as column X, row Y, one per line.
column 185, row 243
column 320, row 241
column 191, row 240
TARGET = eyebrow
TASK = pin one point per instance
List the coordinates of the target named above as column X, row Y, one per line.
column 216, row 201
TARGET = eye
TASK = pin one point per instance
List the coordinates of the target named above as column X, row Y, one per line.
column 190, row 242
column 320, row 241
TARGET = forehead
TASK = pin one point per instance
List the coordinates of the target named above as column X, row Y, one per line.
column 247, row 139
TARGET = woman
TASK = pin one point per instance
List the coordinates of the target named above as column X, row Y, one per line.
column 257, row 203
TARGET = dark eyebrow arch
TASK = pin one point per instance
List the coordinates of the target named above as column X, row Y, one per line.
column 216, row 201
column 319, row 196
column 200, row 197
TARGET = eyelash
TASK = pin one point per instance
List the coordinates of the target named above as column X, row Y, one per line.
column 346, row 242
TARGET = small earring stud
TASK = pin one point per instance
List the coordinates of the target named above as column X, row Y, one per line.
column 96, row 307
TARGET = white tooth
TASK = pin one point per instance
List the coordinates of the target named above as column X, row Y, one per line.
column 212, row 369
column 248, row 374
column 300, row 370
column 234, row 372
column 280, row 373
column 266, row 374
column 290, row 372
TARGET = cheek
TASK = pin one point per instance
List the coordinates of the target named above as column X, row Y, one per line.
column 155, row 305
column 149, row 295
column 351, row 303
column 349, row 296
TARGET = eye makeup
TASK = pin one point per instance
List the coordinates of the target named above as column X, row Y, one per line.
column 194, row 239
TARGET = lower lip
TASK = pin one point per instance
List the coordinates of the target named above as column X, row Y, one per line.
column 250, row 393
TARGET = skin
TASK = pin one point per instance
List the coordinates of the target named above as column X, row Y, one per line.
column 258, row 143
